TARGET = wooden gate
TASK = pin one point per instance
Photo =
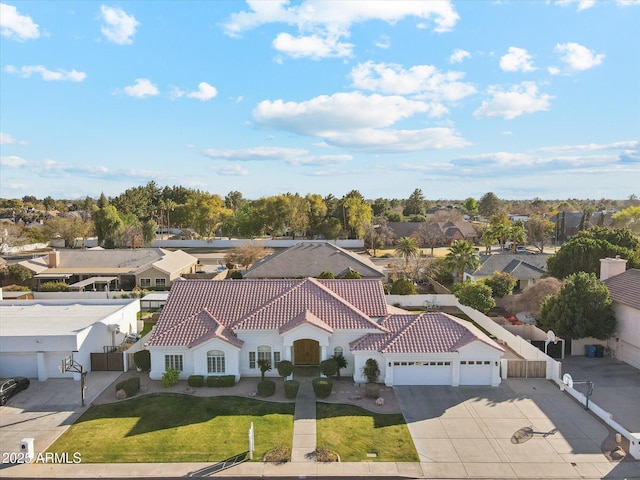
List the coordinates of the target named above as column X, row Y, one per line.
column 526, row 368
column 107, row 362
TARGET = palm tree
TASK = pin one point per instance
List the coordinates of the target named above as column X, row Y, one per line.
column 462, row 255
column 407, row 248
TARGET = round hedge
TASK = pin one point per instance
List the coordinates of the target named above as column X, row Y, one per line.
column 322, row 386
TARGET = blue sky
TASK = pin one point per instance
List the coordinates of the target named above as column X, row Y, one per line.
column 524, row 99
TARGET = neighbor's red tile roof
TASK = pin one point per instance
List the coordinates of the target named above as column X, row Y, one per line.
column 434, row 332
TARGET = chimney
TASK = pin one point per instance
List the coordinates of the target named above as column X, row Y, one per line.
column 610, row 267
column 54, row 259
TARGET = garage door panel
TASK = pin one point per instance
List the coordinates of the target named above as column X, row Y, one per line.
column 422, row 373
column 475, row 372
column 18, row 365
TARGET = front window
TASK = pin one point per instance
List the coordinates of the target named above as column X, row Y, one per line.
column 264, row 353
column 215, row 361
column 173, row 362
column 252, row 359
column 161, row 282
column 338, row 351
column 145, row 282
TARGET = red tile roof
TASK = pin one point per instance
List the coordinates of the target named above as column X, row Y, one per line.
column 625, row 287
column 265, row 304
column 428, row 332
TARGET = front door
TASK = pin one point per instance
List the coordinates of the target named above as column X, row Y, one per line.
column 306, row 352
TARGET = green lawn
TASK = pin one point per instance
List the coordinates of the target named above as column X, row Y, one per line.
column 353, row 432
column 177, row 428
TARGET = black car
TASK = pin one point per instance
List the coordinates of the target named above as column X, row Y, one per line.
column 10, row 386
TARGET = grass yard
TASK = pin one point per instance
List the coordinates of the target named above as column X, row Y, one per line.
column 353, row 432
column 177, row 428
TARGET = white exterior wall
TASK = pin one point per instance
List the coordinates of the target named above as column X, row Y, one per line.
column 360, row 358
column 626, row 343
column 231, row 358
column 157, row 361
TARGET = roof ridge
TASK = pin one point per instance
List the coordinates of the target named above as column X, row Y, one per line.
column 268, row 303
column 344, row 301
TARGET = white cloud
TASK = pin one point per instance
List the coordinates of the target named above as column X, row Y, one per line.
column 47, row 75
column 321, row 25
column 578, row 57
column 339, row 111
column 383, row 42
column 15, row 26
column 320, row 160
column 582, row 4
column 7, row 139
column 313, row 46
column 516, row 60
column 119, row 27
column 205, row 92
column 357, row 121
column 554, row 70
column 142, row 88
column 255, row 153
column 12, row 161
column 377, row 140
column 459, row 55
column 519, row 100
column 633, row 144
column 424, row 80
column 230, row 170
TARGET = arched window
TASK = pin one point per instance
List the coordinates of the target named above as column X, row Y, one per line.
column 264, row 352
column 215, row 361
column 338, row 351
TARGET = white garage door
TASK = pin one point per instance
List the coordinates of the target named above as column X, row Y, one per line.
column 18, row 365
column 422, row 373
column 475, row 372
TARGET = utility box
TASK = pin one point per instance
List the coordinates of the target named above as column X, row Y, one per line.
column 26, row 449
column 634, row 445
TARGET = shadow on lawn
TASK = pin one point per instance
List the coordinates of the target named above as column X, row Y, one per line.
column 161, row 411
column 336, row 410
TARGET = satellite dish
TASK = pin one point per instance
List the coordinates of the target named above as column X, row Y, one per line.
column 567, row 380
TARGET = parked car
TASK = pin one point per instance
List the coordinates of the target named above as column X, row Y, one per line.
column 10, row 386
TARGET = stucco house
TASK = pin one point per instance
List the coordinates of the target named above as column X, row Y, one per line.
column 624, row 286
column 35, row 335
column 225, row 327
column 113, row 269
column 310, row 259
column 526, row 268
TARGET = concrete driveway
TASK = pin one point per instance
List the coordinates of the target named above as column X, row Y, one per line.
column 616, row 386
column 525, row 428
column 45, row 410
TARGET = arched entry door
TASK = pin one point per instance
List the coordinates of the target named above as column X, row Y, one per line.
column 306, row 352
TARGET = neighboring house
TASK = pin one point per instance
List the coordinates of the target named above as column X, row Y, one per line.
column 36, row 335
column 572, row 221
column 526, row 268
column 225, row 327
column 310, row 259
column 112, row 269
column 441, row 234
column 625, row 293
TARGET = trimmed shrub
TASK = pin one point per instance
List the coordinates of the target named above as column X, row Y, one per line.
column 170, row 377
column 285, row 368
column 329, row 367
column 235, row 275
column 371, row 370
column 130, row 386
column 322, row 386
column 291, row 388
column 142, row 359
column 221, row 381
column 54, row 287
column 195, row 381
column 266, row 388
column 280, row 454
column 372, row 390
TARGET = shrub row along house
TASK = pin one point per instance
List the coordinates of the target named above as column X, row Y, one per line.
column 224, row 328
